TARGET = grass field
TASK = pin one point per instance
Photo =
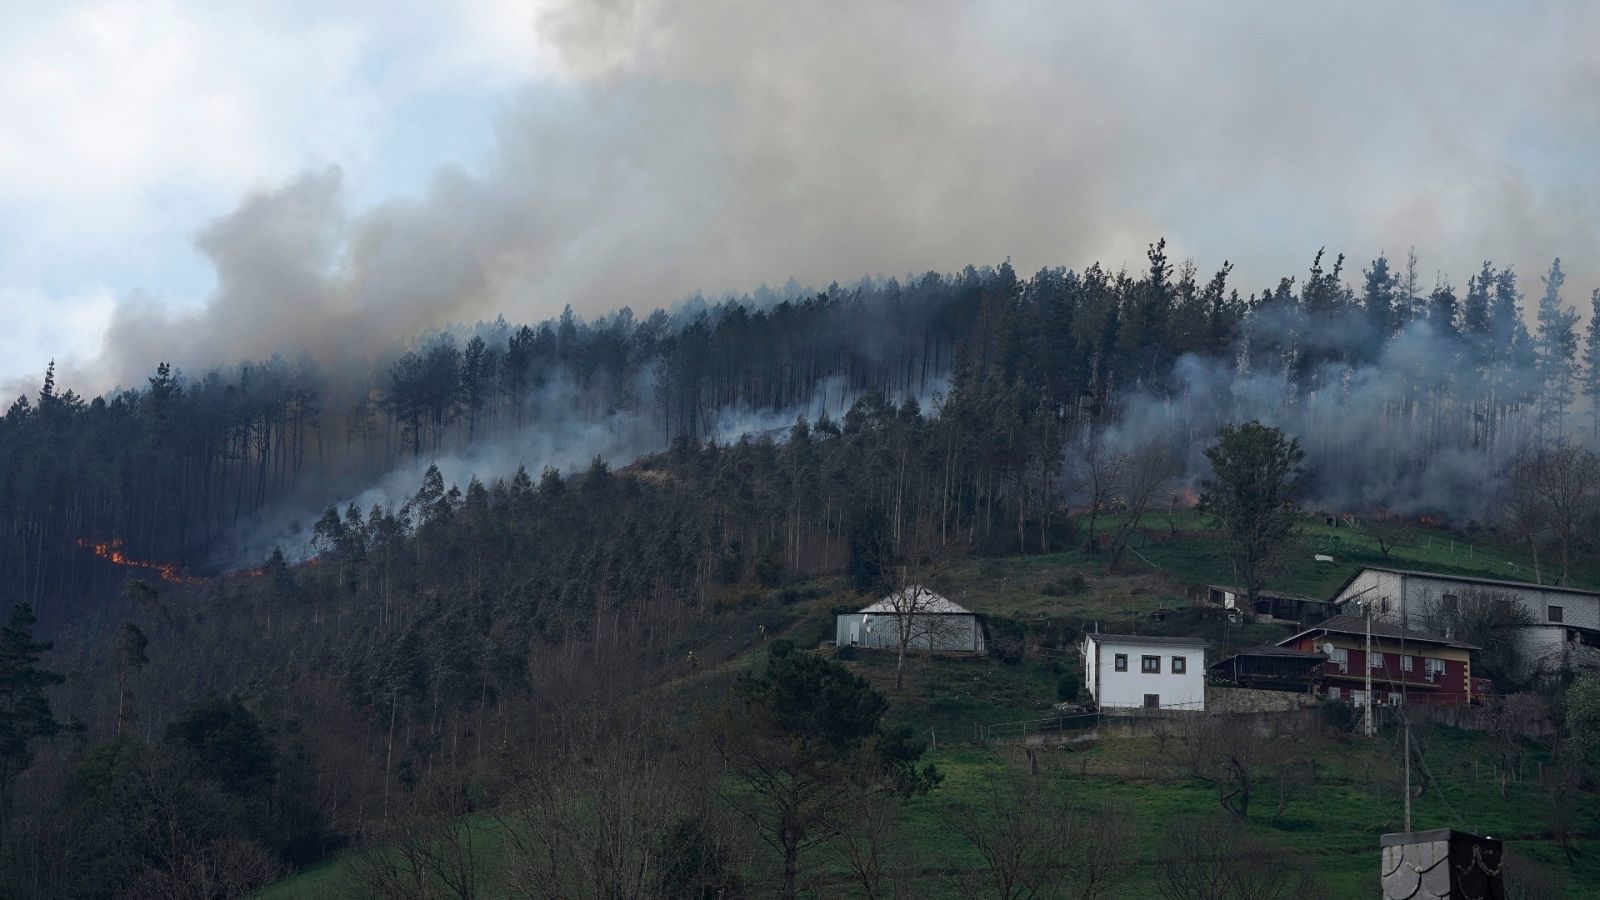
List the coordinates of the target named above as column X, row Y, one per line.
column 1332, row 825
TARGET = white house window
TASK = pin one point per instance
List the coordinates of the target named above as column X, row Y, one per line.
column 1405, row 663
column 1358, row 697
column 1394, row 699
column 1375, row 661
column 1333, row 693
column 1556, row 613
column 1180, row 665
column 1150, row 665
column 1432, row 668
column 1341, row 658
column 1121, row 662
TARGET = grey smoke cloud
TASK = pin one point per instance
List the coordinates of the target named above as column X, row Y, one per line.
column 561, row 435
column 719, row 145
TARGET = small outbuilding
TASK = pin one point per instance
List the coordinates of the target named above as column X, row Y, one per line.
column 1141, row 671
column 917, row 617
column 1269, row 606
column 1272, row 668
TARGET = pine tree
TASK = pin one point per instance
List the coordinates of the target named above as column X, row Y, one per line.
column 25, row 714
column 1591, row 358
column 1378, row 298
column 1557, row 347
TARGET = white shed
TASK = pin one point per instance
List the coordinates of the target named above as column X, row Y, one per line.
column 924, row 619
column 1134, row 671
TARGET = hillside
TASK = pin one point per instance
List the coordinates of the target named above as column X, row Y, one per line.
column 1327, row 817
column 438, row 650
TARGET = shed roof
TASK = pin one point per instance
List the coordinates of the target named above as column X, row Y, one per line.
column 1356, row 625
column 1284, row 652
column 918, row 599
column 1464, row 579
column 1151, row 639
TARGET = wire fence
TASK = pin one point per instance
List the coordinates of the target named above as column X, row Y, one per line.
column 1076, row 724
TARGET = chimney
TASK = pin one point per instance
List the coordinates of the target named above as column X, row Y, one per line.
column 1442, row 863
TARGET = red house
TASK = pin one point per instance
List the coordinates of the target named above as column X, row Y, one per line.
column 1406, row 665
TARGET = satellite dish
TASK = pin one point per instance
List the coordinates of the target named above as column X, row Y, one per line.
column 1327, row 647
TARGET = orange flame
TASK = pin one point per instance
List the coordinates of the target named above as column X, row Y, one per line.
column 111, row 551
column 1185, row 498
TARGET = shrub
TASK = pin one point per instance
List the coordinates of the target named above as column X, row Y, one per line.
column 1071, row 583
column 1068, row 686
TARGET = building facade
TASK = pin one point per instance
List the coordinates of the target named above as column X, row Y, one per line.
column 1564, row 628
column 916, row 616
column 1133, row 671
column 1406, row 666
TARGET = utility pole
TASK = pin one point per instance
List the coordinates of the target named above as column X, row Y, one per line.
column 1407, row 721
column 1367, row 664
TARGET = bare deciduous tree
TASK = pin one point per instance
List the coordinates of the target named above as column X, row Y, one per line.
column 619, row 821
column 1217, row 859
column 917, row 616
column 428, row 851
column 876, row 849
column 1019, row 829
column 1387, row 532
column 1487, row 619
column 1036, row 842
column 229, row 868
column 1100, row 472
column 1553, row 492
column 1147, row 471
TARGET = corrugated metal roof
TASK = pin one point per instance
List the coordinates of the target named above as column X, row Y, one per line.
column 916, row 598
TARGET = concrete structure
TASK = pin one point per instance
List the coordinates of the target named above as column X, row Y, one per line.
column 1130, row 671
column 1406, row 665
column 1442, row 863
column 1565, row 629
column 920, row 617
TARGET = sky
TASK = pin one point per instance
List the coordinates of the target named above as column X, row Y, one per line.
column 207, row 182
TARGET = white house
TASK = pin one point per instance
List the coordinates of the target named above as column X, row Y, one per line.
column 921, row 617
column 1564, row 628
column 1129, row 670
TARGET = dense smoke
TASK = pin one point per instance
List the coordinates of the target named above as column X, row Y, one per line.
column 1400, row 434
column 559, row 436
column 714, row 146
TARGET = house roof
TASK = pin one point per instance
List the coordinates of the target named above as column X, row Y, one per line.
column 1280, row 652
column 1356, row 625
column 916, row 599
column 1464, row 579
column 1151, row 639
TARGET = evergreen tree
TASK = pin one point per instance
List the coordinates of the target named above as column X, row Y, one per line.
column 1591, row 359
column 1379, row 301
column 1557, row 347
column 25, row 714
column 1251, row 498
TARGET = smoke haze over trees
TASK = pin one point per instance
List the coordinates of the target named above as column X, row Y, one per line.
column 1407, row 399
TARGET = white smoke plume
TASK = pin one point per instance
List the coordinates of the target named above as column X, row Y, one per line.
column 717, row 145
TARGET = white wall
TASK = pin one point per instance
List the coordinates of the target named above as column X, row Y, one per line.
column 1125, row 689
column 947, row 633
column 1418, row 593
